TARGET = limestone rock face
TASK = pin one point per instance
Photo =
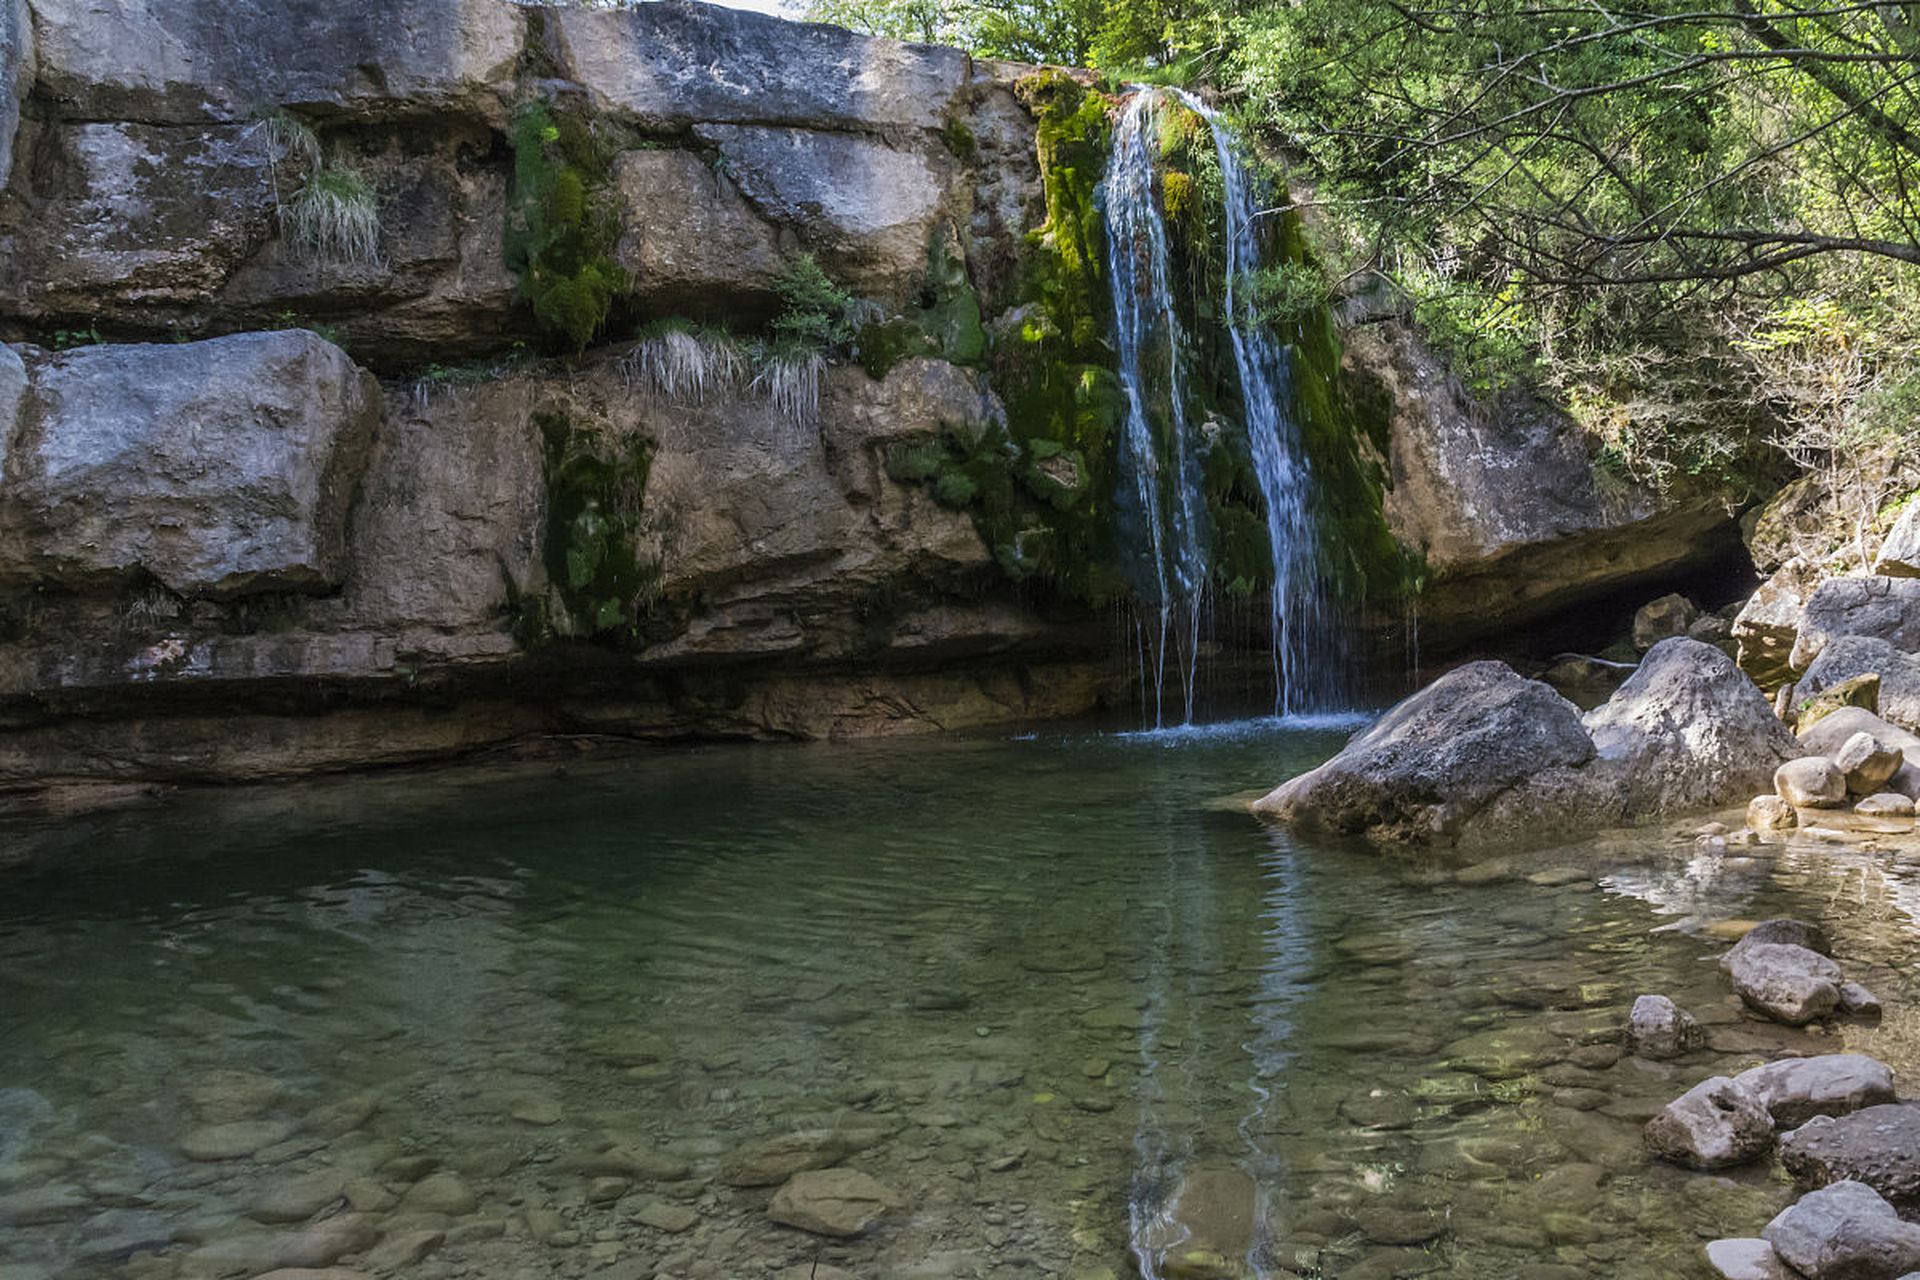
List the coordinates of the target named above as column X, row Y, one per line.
column 691, row 242
column 180, row 61
column 1900, row 553
column 1878, row 1146
column 1769, row 622
column 220, row 468
column 1845, row 1232
column 1503, row 499
column 1714, row 1125
column 17, row 70
column 1433, row 762
column 1882, row 608
column 667, row 66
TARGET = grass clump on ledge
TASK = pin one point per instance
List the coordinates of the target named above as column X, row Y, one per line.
column 336, row 215
column 683, row 362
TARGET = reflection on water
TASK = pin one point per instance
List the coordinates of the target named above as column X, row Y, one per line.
column 1077, row 1018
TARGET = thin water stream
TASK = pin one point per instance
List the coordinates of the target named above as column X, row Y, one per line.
column 1075, row 1015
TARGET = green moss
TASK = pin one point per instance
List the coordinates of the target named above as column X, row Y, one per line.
column 602, row 585
column 562, row 222
column 944, row 320
column 960, row 140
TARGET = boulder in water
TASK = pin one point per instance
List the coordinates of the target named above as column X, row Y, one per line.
column 1771, row 813
column 1658, row 1028
column 1878, row 1146
column 1868, row 761
column 832, row 1202
column 1794, row 1090
column 1716, row 1124
column 1811, row 782
column 1787, row 983
column 1845, row 1232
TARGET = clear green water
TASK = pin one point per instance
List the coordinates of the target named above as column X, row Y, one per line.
column 1065, row 1005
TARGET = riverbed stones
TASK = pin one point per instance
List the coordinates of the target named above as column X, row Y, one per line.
column 1794, row 1090
column 1771, row 813
column 443, row 1192
column 37, row 1206
column 670, row 1218
column 1878, row 1146
column 1658, row 1028
column 1784, row 930
column 1811, row 782
column 297, row 1199
column 1787, row 983
column 1505, row 1053
column 832, row 1202
column 777, row 1159
column 404, row 1249
column 1845, row 1232
column 234, row 1140
column 1717, row 1124
column 217, row 1097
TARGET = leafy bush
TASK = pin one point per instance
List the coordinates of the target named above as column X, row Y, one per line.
column 561, row 225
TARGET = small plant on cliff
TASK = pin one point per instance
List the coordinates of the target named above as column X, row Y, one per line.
column 788, row 374
column 336, row 215
column 561, row 225
column 682, row 362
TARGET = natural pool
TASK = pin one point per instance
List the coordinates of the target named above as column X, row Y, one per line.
column 1071, row 1012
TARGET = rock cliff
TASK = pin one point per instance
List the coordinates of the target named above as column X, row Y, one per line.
column 288, row 482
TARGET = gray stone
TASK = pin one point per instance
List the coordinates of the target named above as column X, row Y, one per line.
column 1878, row 1146
column 1657, row 1028
column 1885, row 804
column 1663, row 619
column 1868, row 762
column 216, row 1097
column 832, row 1202
column 1845, row 1232
column 234, row 1140
column 180, row 61
column 669, row 66
column 1900, row 552
column 1746, row 1260
column 1425, row 769
column 1787, row 983
column 1856, row 999
column 444, row 1193
column 220, row 468
column 17, row 67
column 299, row 1198
column 1781, row 930
column 1769, row 623
column 777, row 1159
column 1811, row 782
column 403, row 1249
column 1714, row 1125
column 1826, row 735
column 1847, row 657
column 1794, row 1090
column 1771, row 813
column 1886, row 608
column 37, row 1206
column 670, row 1218
column 689, row 240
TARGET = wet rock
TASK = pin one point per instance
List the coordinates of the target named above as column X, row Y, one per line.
column 1868, row 762
column 1787, row 983
column 778, row 1159
column 670, row 1218
column 606, row 1190
column 1885, row 804
column 404, row 1249
column 1506, row 1052
column 1658, row 1028
column 1714, row 1125
column 297, row 1199
column 1845, row 1232
column 1771, row 813
column 1663, row 619
column 1878, row 1146
column 219, row 1097
column 234, row 1140
column 1208, row 1226
column 1783, row 930
column 337, row 1119
column 39, row 1205
column 1811, row 782
column 1383, row 1225
column 445, row 1193
column 539, row 1111
column 832, row 1202
column 1746, row 1260
column 641, row 1164
column 1794, row 1090
column 1856, row 999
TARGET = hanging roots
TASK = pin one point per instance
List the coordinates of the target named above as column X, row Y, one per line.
column 791, row 382
column 336, row 215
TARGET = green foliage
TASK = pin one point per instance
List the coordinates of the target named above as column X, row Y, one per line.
column 68, row 339
column 596, row 481
column 561, row 225
column 815, row 314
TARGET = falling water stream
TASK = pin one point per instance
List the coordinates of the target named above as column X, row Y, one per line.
column 1159, row 453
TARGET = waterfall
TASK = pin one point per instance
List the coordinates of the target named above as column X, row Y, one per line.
column 1161, row 463
column 1306, row 665
column 1148, row 340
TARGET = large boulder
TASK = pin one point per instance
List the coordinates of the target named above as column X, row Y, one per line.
column 1787, row 983
column 219, row 468
column 1688, row 731
column 691, row 243
column 668, row 66
column 1794, row 1090
column 1878, row 1146
column 1845, row 1232
column 1769, row 622
column 183, row 61
column 1885, row 608
column 1868, row 760
column 1716, row 1124
column 1425, row 769
column 1847, row 657
column 16, row 75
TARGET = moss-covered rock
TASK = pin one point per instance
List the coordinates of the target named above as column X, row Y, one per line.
column 596, row 481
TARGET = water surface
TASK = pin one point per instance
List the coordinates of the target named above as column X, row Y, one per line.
column 1079, row 1018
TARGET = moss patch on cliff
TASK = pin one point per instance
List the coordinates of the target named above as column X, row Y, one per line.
column 602, row 585
column 562, row 222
